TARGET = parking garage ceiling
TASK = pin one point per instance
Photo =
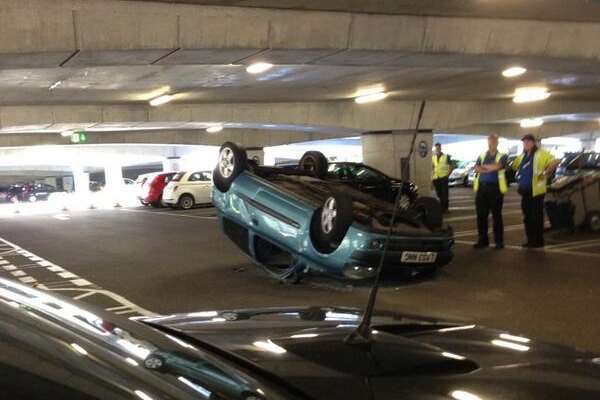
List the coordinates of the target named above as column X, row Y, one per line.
column 558, row 10
column 96, row 64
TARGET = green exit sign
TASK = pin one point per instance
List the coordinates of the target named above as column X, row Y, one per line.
column 79, row 137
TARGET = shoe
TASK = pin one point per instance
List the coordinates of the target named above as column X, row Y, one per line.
column 499, row 246
column 480, row 245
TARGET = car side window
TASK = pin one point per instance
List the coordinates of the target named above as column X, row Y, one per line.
column 198, row 176
column 194, row 177
column 367, row 174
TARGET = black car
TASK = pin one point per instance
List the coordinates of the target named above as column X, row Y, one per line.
column 29, row 192
column 372, row 181
column 53, row 348
column 576, row 163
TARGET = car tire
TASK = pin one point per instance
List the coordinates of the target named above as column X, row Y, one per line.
column 331, row 221
column 593, row 221
column 186, row 202
column 232, row 161
column 315, row 163
column 430, row 211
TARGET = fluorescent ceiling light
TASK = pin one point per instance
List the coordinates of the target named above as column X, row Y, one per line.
column 214, row 129
column 258, row 68
column 529, row 94
column 531, row 122
column 513, row 72
column 160, row 100
column 55, row 85
column 369, row 98
column 66, row 133
column 520, row 339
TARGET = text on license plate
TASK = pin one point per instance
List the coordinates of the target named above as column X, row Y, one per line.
column 419, row 257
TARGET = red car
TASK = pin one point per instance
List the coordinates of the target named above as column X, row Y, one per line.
column 150, row 187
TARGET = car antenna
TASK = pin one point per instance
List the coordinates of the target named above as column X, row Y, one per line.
column 362, row 334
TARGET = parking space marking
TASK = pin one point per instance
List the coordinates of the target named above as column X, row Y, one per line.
column 545, row 249
column 474, row 217
column 172, row 214
column 575, row 245
column 60, row 279
column 474, row 232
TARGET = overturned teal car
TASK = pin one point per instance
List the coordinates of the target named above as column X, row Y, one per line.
column 296, row 221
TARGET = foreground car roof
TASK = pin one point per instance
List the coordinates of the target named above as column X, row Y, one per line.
column 410, row 358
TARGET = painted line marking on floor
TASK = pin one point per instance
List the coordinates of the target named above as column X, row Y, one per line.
column 67, row 275
column 473, row 232
column 543, row 250
column 581, row 243
column 473, row 216
column 81, row 287
column 171, row 214
column 83, row 296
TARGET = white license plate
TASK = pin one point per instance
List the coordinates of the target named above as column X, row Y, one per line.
column 419, row 257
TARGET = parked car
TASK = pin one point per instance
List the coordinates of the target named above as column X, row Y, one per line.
column 187, row 189
column 372, row 181
column 460, row 174
column 29, row 192
column 295, row 221
column 57, row 348
column 150, row 187
column 4, row 194
column 578, row 163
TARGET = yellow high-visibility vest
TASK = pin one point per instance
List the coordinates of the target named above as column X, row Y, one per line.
column 441, row 168
column 502, row 182
column 541, row 159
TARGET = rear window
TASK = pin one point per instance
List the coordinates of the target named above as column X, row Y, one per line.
column 178, row 176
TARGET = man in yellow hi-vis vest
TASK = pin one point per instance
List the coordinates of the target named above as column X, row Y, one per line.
column 490, row 185
column 441, row 171
column 535, row 166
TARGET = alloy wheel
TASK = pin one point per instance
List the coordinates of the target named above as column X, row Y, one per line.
column 226, row 162
column 328, row 215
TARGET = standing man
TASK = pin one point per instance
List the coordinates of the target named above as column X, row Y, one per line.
column 441, row 172
column 535, row 166
column 490, row 185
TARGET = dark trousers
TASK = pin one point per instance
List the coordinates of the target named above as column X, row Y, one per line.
column 441, row 189
column 489, row 198
column 533, row 217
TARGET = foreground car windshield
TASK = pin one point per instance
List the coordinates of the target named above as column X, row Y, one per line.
column 105, row 359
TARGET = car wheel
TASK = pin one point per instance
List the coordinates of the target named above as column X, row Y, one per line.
column 593, row 221
column 466, row 181
column 186, row 201
column 331, row 221
column 231, row 162
column 430, row 211
column 314, row 162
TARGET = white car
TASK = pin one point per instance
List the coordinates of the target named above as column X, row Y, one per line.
column 187, row 189
column 460, row 174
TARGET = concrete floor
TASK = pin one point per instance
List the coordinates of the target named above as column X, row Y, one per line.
column 164, row 261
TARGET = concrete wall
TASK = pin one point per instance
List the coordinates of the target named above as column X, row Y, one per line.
column 385, row 152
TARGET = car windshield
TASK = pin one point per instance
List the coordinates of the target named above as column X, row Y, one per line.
column 143, row 359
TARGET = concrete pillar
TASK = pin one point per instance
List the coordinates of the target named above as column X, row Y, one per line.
column 81, row 180
column 588, row 144
column 113, row 174
column 389, row 152
column 171, row 164
column 257, row 154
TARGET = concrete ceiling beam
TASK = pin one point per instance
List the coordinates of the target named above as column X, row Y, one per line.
column 38, row 33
